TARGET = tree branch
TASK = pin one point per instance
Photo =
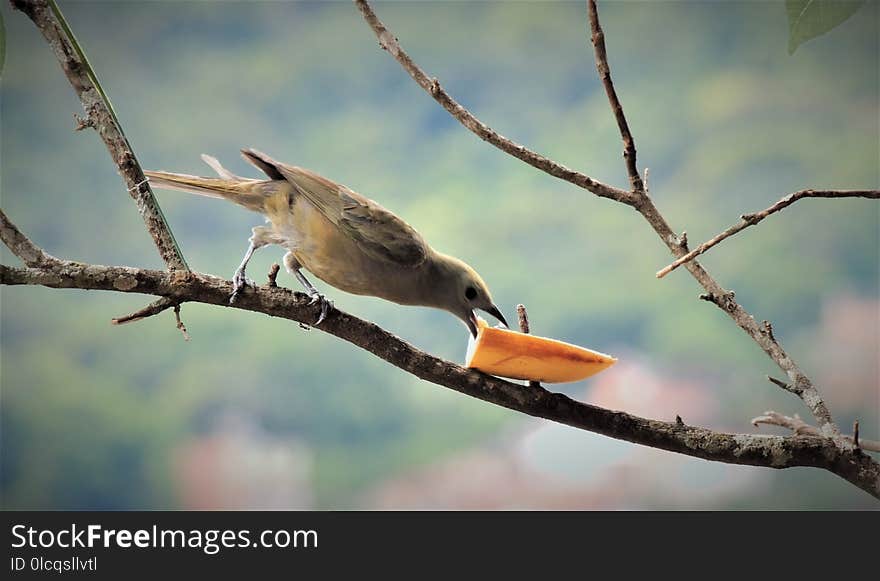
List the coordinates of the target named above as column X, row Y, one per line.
column 747, row 220
column 755, row 450
column 100, row 115
column 432, row 86
column 597, row 37
column 802, row 428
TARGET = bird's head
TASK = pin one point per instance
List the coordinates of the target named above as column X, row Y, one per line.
column 462, row 291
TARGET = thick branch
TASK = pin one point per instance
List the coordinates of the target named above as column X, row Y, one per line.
column 49, row 20
column 388, row 42
column 747, row 220
column 802, row 428
column 754, row 450
column 597, row 37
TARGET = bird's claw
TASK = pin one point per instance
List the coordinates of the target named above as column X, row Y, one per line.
column 239, row 282
column 325, row 306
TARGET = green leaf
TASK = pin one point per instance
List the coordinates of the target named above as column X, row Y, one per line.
column 808, row 19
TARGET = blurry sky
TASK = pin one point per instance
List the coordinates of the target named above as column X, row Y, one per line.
column 95, row 416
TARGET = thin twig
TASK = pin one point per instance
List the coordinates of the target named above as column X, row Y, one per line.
column 802, row 428
column 273, row 274
column 597, row 37
column 50, row 21
column 523, row 317
column 786, row 386
column 432, row 86
column 83, row 122
column 724, row 300
column 180, row 324
column 150, row 310
column 747, row 220
column 793, row 423
column 682, row 240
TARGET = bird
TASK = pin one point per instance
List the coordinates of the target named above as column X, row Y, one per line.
column 342, row 237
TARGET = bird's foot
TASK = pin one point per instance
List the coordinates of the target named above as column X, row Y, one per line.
column 239, row 282
column 325, row 306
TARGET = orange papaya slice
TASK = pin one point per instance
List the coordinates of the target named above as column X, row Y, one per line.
column 506, row 353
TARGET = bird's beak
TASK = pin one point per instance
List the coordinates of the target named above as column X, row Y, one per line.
column 471, row 320
column 471, row 323
column 493, row 310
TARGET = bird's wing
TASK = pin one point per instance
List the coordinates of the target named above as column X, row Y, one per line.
column 379, row 233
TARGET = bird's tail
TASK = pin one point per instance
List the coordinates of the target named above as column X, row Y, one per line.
column 245, row 192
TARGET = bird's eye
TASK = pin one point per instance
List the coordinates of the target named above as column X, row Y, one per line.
column 470, row 293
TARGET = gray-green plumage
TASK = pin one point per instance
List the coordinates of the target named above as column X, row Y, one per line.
column 344, row 238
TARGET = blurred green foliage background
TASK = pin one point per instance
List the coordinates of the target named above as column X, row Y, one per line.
column 95, row 416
